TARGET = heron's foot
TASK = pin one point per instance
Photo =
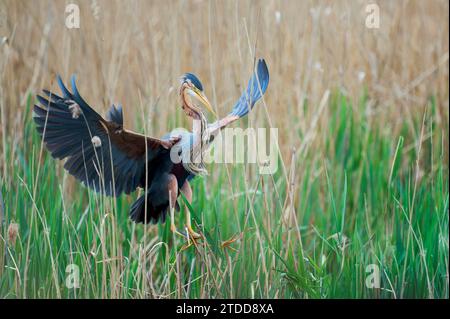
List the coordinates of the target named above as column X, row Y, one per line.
column 227, row 243
column 192, row 238
column 193, row 234
column 174, row 230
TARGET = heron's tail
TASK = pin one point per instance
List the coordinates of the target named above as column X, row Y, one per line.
column 154, row 214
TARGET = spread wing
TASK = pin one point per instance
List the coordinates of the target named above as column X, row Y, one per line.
column 256, row 87
column 115, row 114
column 100, row 153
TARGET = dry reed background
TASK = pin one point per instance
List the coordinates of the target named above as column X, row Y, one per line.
column 133, row 53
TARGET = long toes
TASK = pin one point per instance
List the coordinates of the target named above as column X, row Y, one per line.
column 228, row 242
column 193, row 234
column 175, row 231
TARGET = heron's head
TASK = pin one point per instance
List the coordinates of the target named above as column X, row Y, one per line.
column 192, row 92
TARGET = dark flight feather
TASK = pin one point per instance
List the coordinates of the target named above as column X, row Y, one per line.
column 255, row 89
column 115, row 114
column 99, row 153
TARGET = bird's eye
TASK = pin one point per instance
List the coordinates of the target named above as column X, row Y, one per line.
column 193, row 87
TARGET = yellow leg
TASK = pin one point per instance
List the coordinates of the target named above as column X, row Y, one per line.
column 191, row 232
column 173, row 228
column 228, row 242
column 173, row 188
column 187, row 191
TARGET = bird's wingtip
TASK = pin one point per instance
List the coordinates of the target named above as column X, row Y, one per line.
column 59, row 80
column 73, row 79
column 263, row 70
column 262, row 63
column 63, row 88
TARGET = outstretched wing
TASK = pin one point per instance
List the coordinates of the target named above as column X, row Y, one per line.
column 100, row 153
column 257, row 86
column 115, row 114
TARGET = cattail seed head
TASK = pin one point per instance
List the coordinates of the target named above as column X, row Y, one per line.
column 75, row 109
column 96, row 141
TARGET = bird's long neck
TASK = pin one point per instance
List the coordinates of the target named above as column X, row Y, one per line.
column 200, row 132
column 200, row 123
column 201, row 137
column 199, row 127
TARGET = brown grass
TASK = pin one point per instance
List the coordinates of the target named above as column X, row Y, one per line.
column 133, row 52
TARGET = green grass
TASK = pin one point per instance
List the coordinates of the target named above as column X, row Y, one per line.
column 363, row 196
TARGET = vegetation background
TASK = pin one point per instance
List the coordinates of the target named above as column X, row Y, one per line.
column 363, row 124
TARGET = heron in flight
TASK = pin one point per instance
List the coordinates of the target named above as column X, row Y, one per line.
column 110, row 159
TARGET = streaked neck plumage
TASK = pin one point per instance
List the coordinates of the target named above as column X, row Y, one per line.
column 195, row 164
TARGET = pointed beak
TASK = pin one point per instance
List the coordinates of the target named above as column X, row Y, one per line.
column 202, row 97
